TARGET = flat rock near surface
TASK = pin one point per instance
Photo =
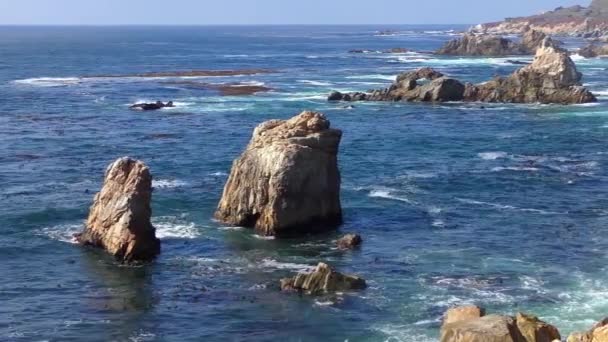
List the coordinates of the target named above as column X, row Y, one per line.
column 323, row 279
column 287, row 181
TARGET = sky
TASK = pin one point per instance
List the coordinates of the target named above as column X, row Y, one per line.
column 274, row 12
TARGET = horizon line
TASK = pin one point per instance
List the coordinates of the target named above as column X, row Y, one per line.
column 210, row 25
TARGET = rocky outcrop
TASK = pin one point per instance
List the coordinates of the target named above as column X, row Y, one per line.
column 551, row 78
column 422, row 85
column 349, row 241
column 598, row 333
column 473, row 44
column 119, row 219
column 323, row 279
column 469, row 324
column 152, row 106
column 287, row 180
column 581, row 21
column 593, row 50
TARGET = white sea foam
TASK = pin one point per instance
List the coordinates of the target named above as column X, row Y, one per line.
column 62, row 232
column 515, row 168
column 402, row 333
column 218, row 174
column 273, row 264
column 260, row 237
column 168, row 227
column 492, row 155
column 506, row 207
column 386, row 194
column 49, row 81
column 231, row 228
column 576, row 57
column 315, row 83
column 168, row 183
column 374, row 76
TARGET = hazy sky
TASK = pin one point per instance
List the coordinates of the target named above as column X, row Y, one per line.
column 208, row 12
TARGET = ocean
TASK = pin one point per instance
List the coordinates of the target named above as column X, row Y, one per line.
column 499, row 205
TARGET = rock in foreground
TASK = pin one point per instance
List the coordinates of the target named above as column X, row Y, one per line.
column 323, row 279
column 119, row 220
column 598, row 333
column 469, row 324
column 287, row 181
column 551, row 78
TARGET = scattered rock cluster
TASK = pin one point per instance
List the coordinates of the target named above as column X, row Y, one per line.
column 551, row 78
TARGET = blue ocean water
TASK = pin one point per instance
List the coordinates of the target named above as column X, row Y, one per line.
column 503, row 206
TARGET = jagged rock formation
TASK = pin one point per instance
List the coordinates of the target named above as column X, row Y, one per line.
column 582, row 21
column 349, row 241
column 119, row 219
column 470, row 324
column 593, row 50
column 598, row 333
column 408, row 87
column 323, row 279
column 287, row 180
column 551, row 78
column 472, row 44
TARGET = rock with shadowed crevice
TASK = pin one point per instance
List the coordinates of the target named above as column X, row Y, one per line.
column 119, row 219
column 323, row 279
column 287, row 180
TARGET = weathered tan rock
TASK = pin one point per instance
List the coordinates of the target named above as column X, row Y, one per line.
column 119, row 219
column 551, row 78
column 492, row 328
column 468, row 324
column 349, row 241
column 323, row 279
column 598, row 333
column 287, row 180
column 535, row 330
column 471, row 44
column 463, row 313
column 593, row 50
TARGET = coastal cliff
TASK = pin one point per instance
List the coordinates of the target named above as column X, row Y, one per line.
column 587, row 22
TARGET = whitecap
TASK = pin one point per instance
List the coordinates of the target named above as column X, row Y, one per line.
column 231, row 228
column 315, row 83
column 172, row 227
column 576, row 57
column 49, row 81
column 515, row 168
column 274, row 264
column 506, row 207
column 218, row 174
column 168, row 183
column 62, row 232
column 492, row 155
column 386, row 194
column 260, row 237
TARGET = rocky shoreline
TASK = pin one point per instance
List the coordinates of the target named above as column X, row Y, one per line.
column 551, row 78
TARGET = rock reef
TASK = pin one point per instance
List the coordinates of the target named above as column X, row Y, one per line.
column 287, row 180
column 551, row 78
column 323, row 279
column 470, row 324
column 224, row 89
column 119, row 219
column 349, row 241
column 593, row 50
column 152, row 106
column 472, row 44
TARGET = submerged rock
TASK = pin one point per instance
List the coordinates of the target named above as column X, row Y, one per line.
column 323, row 279
column 119, row 219
column 287, row 180
column 551, row 78
column 349, row 241
column 469, row 324
column 152, row 106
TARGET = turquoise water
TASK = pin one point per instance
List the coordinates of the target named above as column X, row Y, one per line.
column 502, row 206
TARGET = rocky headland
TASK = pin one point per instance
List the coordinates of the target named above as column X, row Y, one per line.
column 587, row 22
column 287, row 180
column 551, row 78
column 119, row 219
